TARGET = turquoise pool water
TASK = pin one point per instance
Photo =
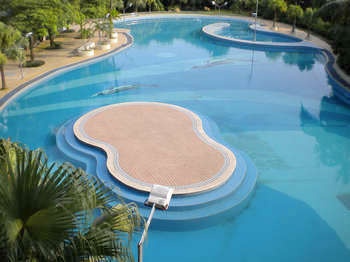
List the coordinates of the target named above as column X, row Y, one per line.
column 275, row 106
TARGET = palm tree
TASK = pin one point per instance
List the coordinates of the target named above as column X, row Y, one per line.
column 8, row 36
column 308, row 18
column 294, row 12
column 277, row 6
column 3, row 61
column 48, row 212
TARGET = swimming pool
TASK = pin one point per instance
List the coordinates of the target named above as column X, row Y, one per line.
column 241, row 30
column 274, row 105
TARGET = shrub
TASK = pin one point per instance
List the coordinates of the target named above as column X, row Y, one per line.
column 57, row 45
column 34, row 63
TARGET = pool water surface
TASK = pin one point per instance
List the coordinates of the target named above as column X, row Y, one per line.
column 276, row 106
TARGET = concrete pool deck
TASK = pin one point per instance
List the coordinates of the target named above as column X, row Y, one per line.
column 155, row 143
column 55, row 58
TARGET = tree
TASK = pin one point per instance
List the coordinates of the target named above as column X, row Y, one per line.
column 8, row 37
column 113, row 13
column 149, row 4
column 277, row 6
column 338, row 13
column 51, row 212
column 294, row 12
column 138, row 4
column 17, row 52
column 156, row 4
column 3, row 61
column 308, row 19
column 40, row 18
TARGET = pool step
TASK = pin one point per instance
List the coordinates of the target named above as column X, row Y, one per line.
column 185, row 211
column 225, row 207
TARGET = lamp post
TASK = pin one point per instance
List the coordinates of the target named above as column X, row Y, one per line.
column 219, row 5
column 255, row 15
column 31, row 45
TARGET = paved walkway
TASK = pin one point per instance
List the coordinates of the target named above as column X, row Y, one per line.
column 53, row 58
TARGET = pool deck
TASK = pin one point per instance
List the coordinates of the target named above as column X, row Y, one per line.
column 155, row 143
column 55, row 58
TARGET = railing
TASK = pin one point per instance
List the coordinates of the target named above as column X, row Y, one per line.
column 144, row 234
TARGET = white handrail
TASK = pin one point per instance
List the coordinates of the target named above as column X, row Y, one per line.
column 144, row 234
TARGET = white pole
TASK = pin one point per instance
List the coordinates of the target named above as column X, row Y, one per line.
column 144, row 234
column 256, row 17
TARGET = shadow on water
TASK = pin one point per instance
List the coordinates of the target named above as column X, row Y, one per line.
column 275, row 227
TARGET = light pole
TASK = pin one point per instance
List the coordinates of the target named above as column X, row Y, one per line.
column 31, row 45
column 256, row 17
column 218, row 5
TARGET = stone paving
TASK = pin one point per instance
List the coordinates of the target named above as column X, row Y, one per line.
column 155, row 143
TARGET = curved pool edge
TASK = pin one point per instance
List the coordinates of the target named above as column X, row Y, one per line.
column 186, row 211
column 342, row 93
column 210, row 30
column 19, row 89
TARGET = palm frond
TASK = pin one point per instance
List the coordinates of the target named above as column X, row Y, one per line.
column 48, row 211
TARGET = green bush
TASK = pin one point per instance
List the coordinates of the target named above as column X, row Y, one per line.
column 34, row 63
column 69, row 31
column 57, row 45
column 321, row 27
column 341, row 45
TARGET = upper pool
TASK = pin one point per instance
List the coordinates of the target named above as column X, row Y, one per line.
column 277, row 106
column 241, row 30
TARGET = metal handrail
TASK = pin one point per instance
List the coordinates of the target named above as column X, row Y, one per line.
column 144, row 234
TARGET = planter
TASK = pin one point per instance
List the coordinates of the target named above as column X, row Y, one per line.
column 114, row 40
column 103, row 45
column 85, row 53
column 114, row 35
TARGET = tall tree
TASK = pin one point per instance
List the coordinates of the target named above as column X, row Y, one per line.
column 137, row 4
column 40, row 18
column 8, row 37
column 294, row 12
column 308, row 19
column 338, row 13
column 51, row 212
column 112, row 6
column 277, row 6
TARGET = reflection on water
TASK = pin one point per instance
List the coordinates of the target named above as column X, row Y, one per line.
column 304, row 63
column 329, row 127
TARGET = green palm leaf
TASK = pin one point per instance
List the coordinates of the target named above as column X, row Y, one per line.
column 48, row 211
